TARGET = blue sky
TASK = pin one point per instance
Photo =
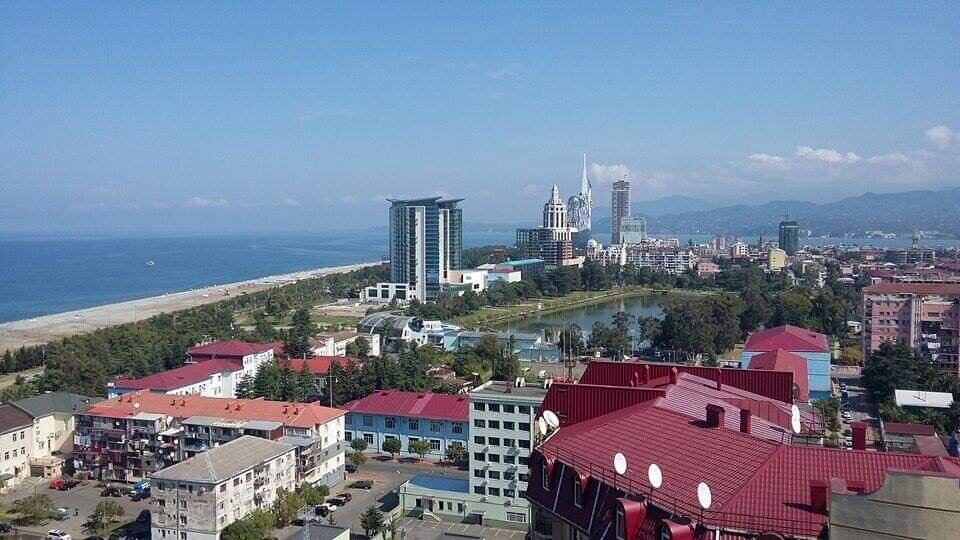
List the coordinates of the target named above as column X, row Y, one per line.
column 164, row 116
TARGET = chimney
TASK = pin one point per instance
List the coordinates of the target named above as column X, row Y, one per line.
column 645, row 374
column 859, row 435
column 674, row 374
column 719, row 385
column 714, row 416
column 819, row 496
column 745, row 417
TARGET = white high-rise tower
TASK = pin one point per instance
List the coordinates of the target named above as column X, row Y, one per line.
column 580, row 206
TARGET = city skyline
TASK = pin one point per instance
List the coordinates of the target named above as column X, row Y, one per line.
column 191, row 119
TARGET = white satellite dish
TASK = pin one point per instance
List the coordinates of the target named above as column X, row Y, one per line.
column 551, row 419
column 795, row 419
column 704, row 496
column 620, row 463
column 542, row 426
column 655, row 475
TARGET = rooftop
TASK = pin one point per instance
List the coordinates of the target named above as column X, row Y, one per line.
column 781, row 360
column 231, row 349
column 55, row 402
column 290, row 414
column 225, row 461
column 786, row 337
column 319, row 365
column 455, row 407
column 504, row 389
column 908, row 429
column 13, row 418
column 912, row 288
column 184, row 375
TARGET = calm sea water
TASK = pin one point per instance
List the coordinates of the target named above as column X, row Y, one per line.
column 40, row 275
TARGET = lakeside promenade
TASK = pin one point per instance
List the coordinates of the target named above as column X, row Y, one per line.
column 38, row 330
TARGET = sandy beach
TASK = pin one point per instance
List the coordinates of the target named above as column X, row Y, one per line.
column 39, row 330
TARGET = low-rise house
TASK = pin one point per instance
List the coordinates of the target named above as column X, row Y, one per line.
column 53, row 416
column 131, row 437
column 212, row 378
column 335, row 343
column 802, row 342
column 409, row 416
column 16, row 444
column 197, row 498
column 472, row 279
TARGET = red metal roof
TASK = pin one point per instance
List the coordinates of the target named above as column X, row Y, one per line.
column 788, row 338
column 290, row 414
column 179, row 377
column 781, row 360
column 231, row 349
column 573, row 403
column 909, row 429
column 455, row 407
column 776, row 385
column 758, row 485
column 912, row 288
column 319, row 365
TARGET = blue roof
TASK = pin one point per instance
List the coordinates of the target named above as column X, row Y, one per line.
column 523, row 261
column 440, row 483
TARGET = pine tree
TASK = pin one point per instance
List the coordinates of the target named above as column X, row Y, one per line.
column 306, row 386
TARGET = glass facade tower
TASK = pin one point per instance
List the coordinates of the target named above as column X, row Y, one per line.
column 426, row 239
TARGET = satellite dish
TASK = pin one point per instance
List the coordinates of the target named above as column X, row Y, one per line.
column 542, row 425
column 620, row 463
column 795, row 419
column 704, row 497
column 655, row 475
column 551, row 419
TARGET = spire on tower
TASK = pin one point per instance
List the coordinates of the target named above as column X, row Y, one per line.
column 584, row 181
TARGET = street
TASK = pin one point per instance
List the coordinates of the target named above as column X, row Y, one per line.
column 855, row 402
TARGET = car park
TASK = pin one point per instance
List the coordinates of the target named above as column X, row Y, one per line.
column 345, row 496
column 57, row 534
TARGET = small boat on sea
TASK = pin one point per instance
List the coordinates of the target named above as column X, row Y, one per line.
column 150, row 263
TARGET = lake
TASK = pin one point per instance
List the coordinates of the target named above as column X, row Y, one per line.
column 551, row 323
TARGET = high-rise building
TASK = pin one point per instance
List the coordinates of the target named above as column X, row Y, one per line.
column 580, row 208
column 789, row 237
column 426, row 242
column 620, row 208
column 633, row 231
column 553, row 241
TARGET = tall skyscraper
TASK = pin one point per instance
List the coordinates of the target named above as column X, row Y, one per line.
column 619, row 208
column 426, row 242
column 789, row 237
column 553, row 241
column 580, row 206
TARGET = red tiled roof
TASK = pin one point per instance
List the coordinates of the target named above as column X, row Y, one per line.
column 319, row 365
column 454, row 407
column 184, row 375
column 909, row 429
column 758, row 485
column 776, row 385
column 232, row 349
column 788, row 338
column 781, row 360
column 290, row 414
column 912, row 288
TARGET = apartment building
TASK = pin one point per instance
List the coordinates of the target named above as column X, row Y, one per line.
column 671, row 260
column 16, row 444
column 925, row 316
column 197, row 498
column 335, row 343
column 133, row 436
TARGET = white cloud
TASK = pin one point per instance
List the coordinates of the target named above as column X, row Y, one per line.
column 942, row 136
column 202, row 202
column 508, row 71
column 767, row 159
column 289, row 201
column 827, row 155
column 893, row 158
column 604, row 174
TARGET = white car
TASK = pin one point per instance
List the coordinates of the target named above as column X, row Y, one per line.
column 57, row 534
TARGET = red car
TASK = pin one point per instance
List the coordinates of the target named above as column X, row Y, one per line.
column 57, row 484
column 345, row 496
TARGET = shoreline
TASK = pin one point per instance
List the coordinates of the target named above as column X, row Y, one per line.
column 46, row 328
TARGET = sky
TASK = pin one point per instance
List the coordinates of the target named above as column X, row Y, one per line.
column 213, row 116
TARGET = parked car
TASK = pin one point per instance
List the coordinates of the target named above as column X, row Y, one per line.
column 336, row 502
column 56, row 484
column 62, row 514
column 112, row 491
column 322, row 510
column 69, row 484
column 345, row 496
column 5, row 527
column 57, row 534
column 351, row 468
column 141, row 495
column 362, row 484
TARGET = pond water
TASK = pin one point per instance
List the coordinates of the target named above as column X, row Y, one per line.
column 584, row 317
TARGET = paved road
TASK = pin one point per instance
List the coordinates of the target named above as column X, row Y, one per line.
column 855, row 402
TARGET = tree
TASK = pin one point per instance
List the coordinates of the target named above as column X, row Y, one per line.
column 245, row 388
column 571, row 340
column 421, row 448
column 297, row 344
column 850, row 356
column 358, row 348
column 371, row 521
column 306, row 385
column 34, row 508
column 359, row 445
column 392, row 446
column 648, row 329
column 105, row 513
column 286, row 506
column 456, row 453
column 312, row 495
column 255, row 526
column 358, row 458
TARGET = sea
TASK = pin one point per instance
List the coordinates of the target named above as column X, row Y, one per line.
column 45, row 274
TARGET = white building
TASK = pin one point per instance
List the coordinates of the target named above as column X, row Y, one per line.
column 633, row 230
column 16, row 445
column 476, row 279
column 507, row 275
column 670, row 260
column 197, row 498
column 386, row 292
column 739, row 250
column 335, row 343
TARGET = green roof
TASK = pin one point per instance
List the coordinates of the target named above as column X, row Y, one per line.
column 55, row 402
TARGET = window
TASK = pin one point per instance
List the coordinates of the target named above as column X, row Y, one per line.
column 479, row 490
column 460, row 507
column 183, row 520
column 413, row 424
column 524, row 443
column 435, row 426
column 510, row 459
column 524, row 409
column 493, row 491
column 544, row 479
column 493, row 441
column 508, row 475
column 390, row 422
column 478, row 456
column 161, row 503
column 347, row 436
column 479, row 406
column 493, row 424
column 525, row 426
column 508, row 408
column 516, row 517
column 508, row 425
column 621, row 530
column 367, row 420
column 434, row 445
column 524, row 477
column 577, row 492
column 457, row 428
column 510, row 493
column 223, row 487
column 494, row 475
column 183, row 504
column 510, row 443
column 479, row 440
column 494, row 458
column 477, row 423
column 493, row 407
column 368, row 438
column 478, row 473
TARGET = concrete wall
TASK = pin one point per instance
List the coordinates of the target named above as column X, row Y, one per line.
column 16, row 446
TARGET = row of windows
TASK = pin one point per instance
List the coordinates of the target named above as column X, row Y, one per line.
column 495, row 441
column 495, row 458
column 495, row 492
column 22, row 452
column 496, row 407
column 507, row 425
column 497, row 475
column 390, row 422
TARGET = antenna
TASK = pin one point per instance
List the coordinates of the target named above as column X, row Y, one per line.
column 551, row 419
column 704, row 496
column 620, row 463
column 795, row 419
column 655, row 475
column 542, row 426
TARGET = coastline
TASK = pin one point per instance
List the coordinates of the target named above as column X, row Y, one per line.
column 43, row 329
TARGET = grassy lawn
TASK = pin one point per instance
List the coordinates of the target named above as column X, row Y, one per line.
column 10, row 378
